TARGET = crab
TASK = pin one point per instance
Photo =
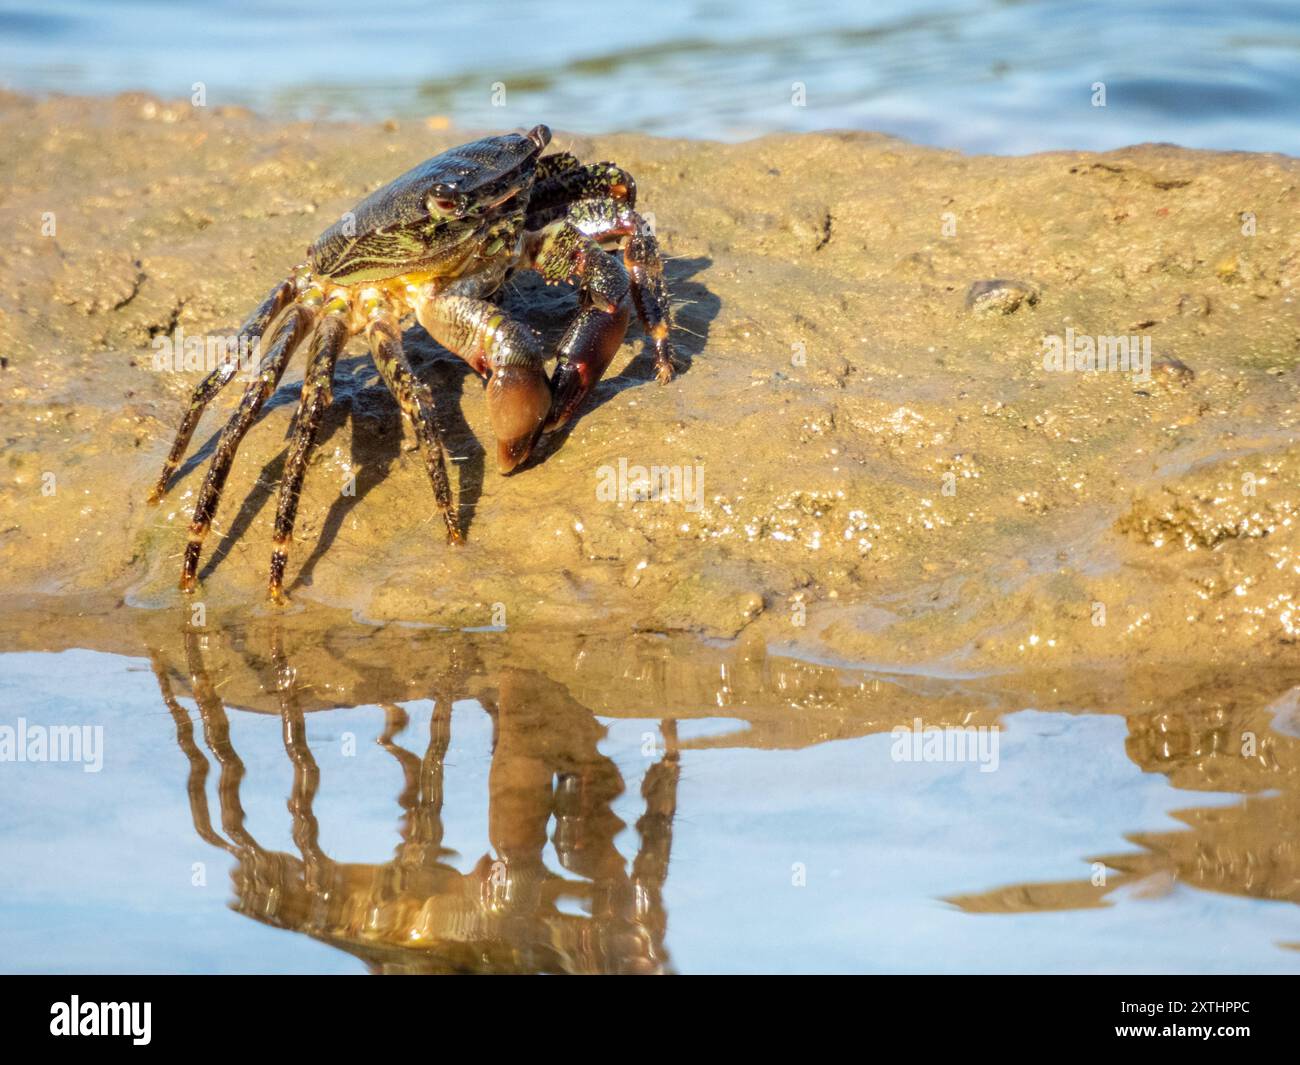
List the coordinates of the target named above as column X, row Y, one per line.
column 436, row 243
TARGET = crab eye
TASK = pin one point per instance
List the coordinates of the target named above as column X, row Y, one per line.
column 443, row 199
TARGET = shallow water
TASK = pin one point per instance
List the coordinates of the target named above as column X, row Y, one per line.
column 297, row 800
column 978, row 75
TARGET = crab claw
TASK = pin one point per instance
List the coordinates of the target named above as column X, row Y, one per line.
column 586, row 351
column 518, row 401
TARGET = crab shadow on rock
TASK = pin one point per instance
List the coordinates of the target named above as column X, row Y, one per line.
column 377, row 431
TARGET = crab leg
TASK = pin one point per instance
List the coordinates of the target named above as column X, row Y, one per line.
column 518, row 397
column 329, row 338
column 549, row 166
column 558, row 252
column 207, row 389
column 598, row 198
column 562, row 181
column 288, row 333
column 607, row 219
column 416, row 402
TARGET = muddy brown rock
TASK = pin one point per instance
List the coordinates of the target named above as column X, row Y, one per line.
column 885, row 476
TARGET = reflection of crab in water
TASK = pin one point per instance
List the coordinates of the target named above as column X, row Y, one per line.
column 417, row 912
column 436, row 242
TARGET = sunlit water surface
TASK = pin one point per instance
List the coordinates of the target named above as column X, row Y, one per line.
column 1005, row 76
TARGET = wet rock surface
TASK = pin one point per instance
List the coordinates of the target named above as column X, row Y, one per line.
column 875, row 473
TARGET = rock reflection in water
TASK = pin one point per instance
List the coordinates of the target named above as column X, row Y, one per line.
column 1209, row 741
